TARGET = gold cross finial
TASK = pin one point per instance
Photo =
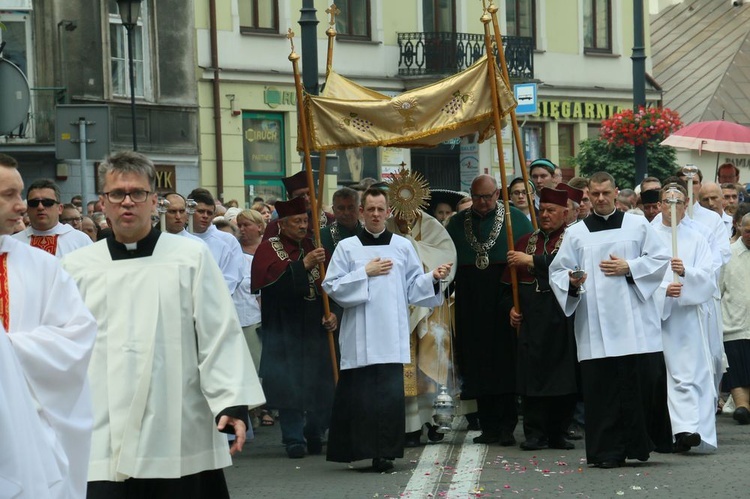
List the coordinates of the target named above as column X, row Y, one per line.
column 333, row 11
column 403, row 164
column 290, row 37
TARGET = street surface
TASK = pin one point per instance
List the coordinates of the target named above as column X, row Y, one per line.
column 458, row 468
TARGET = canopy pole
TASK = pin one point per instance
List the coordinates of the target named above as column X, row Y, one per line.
column 498, row 137
column 332, row 11
column 492, row 9
column 294, row 58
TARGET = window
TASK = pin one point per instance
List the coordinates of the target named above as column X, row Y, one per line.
column 565, row 145
column 259, row 16
column 354, row 20
column 119, row 53
column 264, row 158
column 534, row 142
column 597, row 26
column 439, row 16
column 520, row 16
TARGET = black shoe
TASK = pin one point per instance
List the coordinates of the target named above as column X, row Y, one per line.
column 382, row 465
column 534, row 444
column 575, row 432
column 486, row 438
column 561, row 443
column 610, row 464
column 412, row 439
column 314, row 446
column 741, row 415
column 295, row 451
column 507, row 439
column 432, row 433
column 684, row 441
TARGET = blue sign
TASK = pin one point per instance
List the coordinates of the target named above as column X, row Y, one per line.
column 525, row 94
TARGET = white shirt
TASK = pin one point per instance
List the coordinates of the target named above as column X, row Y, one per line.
column 227, row 252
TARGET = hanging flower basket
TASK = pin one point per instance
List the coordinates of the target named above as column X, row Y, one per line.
column 648, row 124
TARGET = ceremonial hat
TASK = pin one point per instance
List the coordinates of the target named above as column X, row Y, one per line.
column 554, row 196
column 296, row 181
column 650, row 196
column 447, row 196
column 573, row 194
column 290, row 208
column 543, row 163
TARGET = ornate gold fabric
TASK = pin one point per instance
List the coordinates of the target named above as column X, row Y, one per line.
column 349, row 115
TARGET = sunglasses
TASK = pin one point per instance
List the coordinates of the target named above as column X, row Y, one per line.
column 47, row 203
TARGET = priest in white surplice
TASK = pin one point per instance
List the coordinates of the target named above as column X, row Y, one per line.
column 374, row 276
column 617, row 324
column 45, row 403
column 170, row 367
column 45, row 230
column 691, row 394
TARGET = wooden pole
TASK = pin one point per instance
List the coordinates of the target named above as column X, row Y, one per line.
column 331, row 33
column 498, row 137
column 492, row 9
column 294, row 58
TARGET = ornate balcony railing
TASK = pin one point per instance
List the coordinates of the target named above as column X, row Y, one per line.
column 442, row 53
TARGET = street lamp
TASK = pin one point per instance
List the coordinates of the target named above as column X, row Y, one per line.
column 130, row 10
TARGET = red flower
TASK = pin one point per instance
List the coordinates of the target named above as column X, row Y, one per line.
column 647, row 125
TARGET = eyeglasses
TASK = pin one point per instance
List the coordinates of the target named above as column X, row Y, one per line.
column 483, row 197
column 518, row 193
column 46, row 202
column 71, row 220
column 118, row 196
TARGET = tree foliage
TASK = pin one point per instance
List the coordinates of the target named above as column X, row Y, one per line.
column 619, row 160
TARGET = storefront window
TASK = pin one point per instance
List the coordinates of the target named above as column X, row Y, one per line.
column 264, row 159
column 533, row 142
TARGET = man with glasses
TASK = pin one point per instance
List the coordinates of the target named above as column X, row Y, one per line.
column 486, row 349
column 71, row 216
column 170, row 368
column 45, row 231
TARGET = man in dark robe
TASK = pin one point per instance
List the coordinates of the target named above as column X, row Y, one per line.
column 295, row 364
column 296, row 187
column 546, row 345
column 485, row 345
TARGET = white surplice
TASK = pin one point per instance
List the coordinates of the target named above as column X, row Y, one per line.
column 375, row 326
column 169, row 357
column 68, row 238
column 613, row 318
column 691, row 394
column 52, row 333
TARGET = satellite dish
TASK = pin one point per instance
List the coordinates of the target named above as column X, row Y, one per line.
column 15, row 98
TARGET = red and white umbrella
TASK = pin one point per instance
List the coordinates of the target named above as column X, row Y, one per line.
column 714, row 136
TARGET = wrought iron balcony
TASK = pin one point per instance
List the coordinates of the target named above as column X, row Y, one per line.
column 443, row 53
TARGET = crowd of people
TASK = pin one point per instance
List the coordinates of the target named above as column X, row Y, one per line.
column 146, row 345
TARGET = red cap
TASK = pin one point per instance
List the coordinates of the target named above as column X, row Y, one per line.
column 573, row 194
column 296, row 181
column 290, row 208
column 554, row 196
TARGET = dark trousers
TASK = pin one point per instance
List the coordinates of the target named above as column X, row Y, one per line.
column 547, row 418
column 298, row 426
column 497, row 413
column 209, row 484
column 615, row 398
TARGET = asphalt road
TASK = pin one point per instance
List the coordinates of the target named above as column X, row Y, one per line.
column 458, row 468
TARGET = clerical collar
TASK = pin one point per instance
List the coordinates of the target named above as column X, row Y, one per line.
column 605, row 217
column 374, row 234
column 139, row 249
column 367, row 238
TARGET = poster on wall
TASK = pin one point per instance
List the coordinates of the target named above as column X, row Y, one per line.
column 469, row 162
column 357, row 163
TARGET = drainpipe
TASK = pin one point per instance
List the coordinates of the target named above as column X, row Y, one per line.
column 216, row 84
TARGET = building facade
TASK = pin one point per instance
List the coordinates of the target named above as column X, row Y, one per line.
column 76, row 53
